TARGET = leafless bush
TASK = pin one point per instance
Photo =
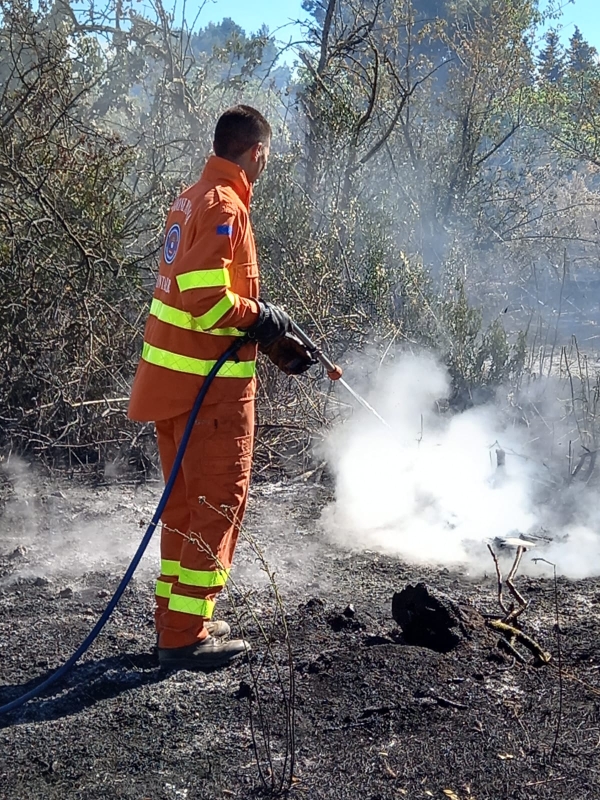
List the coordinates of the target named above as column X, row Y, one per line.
column 72, row 296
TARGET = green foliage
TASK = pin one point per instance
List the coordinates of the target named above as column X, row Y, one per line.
column 478, row 357
column 566, row 103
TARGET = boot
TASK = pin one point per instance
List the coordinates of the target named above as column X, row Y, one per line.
column 204, row 655
column 216, row 627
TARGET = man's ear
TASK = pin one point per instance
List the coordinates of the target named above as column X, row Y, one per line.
column 256, row 151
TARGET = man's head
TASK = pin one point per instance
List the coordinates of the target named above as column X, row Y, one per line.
column 243, row 136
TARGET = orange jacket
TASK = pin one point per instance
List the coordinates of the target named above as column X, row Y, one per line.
column 206, row 290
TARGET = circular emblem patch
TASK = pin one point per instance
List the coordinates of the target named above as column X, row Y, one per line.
column 172, row 243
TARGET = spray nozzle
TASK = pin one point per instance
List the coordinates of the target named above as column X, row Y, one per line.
column 334, row 372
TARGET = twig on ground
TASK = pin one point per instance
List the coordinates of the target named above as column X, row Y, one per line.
column 513, row 590
column 511, row 632
column 499, row 576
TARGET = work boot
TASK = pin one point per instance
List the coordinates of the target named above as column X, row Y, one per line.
column 206, row 654
column 216, row 627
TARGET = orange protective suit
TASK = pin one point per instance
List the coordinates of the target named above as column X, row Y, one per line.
column 205, row 292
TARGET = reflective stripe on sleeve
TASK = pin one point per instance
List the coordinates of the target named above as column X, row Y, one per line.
column 205, row 578
column 203, row 279
column 219, row 309
column 191, row 605
column 196, row 366
column 183, row 319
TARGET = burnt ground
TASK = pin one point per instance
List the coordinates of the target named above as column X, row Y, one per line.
column 375, row 718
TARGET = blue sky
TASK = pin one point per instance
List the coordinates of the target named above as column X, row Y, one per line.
column 252, row 15
column 582, row 13
column 280, row 16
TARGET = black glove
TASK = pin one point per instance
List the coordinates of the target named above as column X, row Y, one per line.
column 289, row 354
column 272, row 324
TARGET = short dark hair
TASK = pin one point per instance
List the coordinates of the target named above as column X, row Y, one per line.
column 238, row 129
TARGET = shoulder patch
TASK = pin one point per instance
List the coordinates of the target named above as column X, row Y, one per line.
column 171, row 246
column 224, row 230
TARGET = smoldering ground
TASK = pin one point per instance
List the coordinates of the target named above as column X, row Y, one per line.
column 434, row 488
column 61, row 531
column 373, row 717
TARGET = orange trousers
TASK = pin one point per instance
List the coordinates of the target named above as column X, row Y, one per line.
column 201, row 520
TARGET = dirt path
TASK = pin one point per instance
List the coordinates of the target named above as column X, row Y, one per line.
column 374, row 717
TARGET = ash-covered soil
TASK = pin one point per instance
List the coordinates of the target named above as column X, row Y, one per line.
column 375, row 718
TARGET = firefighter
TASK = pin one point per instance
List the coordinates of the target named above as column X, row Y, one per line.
column 206, row 295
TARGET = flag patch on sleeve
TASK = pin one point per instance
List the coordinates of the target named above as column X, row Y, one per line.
column 224, row 230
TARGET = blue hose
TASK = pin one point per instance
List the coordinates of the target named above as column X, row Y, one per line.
column 62, row 671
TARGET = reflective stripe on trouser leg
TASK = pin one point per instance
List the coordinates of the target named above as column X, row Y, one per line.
column 216, row 467
column 198, row 607
column 169, row 574
column 203, row 577
column 163, row 588
column 175, row 518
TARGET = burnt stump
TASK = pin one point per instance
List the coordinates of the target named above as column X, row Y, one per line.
column 429, row 618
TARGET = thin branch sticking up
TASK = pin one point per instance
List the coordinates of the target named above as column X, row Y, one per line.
column 510, row 632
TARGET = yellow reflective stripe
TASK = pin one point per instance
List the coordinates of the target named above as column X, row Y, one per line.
column 225, row 332
column 169, row 568
column 163, row 589
column 217, row 311
column 206, row 578
column 196, row 366
column 203, row 279
column 183, row 319
column 191, row 605
column 173, row 316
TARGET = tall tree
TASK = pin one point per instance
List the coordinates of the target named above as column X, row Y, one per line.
column 581, row 57
column 551, row 60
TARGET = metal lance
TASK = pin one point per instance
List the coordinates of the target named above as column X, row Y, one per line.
column 334, row 372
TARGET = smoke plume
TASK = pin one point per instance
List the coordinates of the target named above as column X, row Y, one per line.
column 434, row 490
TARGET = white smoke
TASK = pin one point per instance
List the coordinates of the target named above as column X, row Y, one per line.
column 430, row 490
column 61, row 531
